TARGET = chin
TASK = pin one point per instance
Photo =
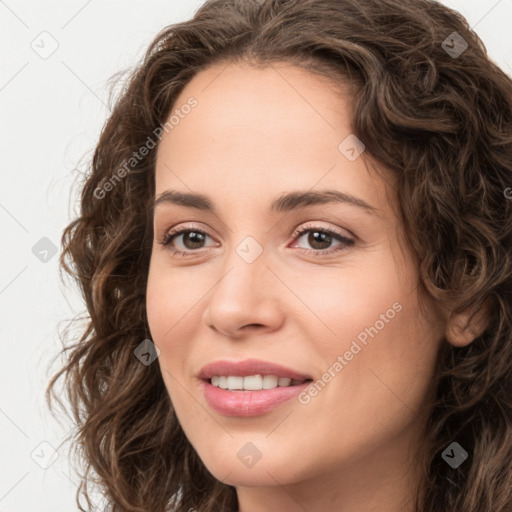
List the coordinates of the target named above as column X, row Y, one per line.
column 239, row 469
column 257, row 476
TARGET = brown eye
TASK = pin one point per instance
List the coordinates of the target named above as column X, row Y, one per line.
column 320, row 239
column 190, row 240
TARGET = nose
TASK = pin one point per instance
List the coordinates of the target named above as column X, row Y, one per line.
column 245, row 299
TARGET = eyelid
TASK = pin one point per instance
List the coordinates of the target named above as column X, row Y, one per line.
column 180, row 229
column 345, row 241
column 312, row 225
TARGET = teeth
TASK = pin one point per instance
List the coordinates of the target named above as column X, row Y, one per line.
column 235, row 383
column 270, row 382
column 252, row 382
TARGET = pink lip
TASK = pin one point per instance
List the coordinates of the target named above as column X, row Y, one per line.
column 248, row 367
column 248, row 403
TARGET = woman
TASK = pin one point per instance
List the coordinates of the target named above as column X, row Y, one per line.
column 295, row 249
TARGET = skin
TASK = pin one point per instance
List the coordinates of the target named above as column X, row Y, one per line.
column 255, row 134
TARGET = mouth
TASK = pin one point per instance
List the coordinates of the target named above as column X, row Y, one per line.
column 256, row 382
column 245, row 403
column 251, row 387
column 225, row 371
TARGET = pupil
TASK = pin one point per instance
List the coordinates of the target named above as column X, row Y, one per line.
column 316, row 237
column 195, row 238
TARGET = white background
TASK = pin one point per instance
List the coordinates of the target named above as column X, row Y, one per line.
column 52, row 111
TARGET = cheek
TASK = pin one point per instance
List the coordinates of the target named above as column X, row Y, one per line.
column 344, row 304
column 163, row 314
column 170, row 303
column 174, row 304
column 387, row 370
column 373, row 348
column 167, row 306
column 157, row 297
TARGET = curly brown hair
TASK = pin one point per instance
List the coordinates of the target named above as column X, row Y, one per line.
column 441, row 122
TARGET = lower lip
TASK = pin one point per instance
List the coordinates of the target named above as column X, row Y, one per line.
column 249, row 403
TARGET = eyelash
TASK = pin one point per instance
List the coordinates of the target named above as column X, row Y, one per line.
column 346, row 242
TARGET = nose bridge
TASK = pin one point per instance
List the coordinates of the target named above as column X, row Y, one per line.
column 245, row 270
column 245, row 293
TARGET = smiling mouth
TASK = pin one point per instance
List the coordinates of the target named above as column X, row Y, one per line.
column 256, row 382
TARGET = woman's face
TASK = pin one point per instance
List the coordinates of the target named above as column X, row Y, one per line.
column 337, row 303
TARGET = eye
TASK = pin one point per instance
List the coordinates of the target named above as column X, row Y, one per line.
column 320, row 239
column 192, row 239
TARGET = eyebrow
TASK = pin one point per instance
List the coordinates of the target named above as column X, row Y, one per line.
column 284, row 203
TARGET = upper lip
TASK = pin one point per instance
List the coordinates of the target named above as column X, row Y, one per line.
column 248, row 367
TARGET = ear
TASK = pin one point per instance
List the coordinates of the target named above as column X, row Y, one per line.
column 460, row 332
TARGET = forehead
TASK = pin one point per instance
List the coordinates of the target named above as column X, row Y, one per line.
column 255, row 132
